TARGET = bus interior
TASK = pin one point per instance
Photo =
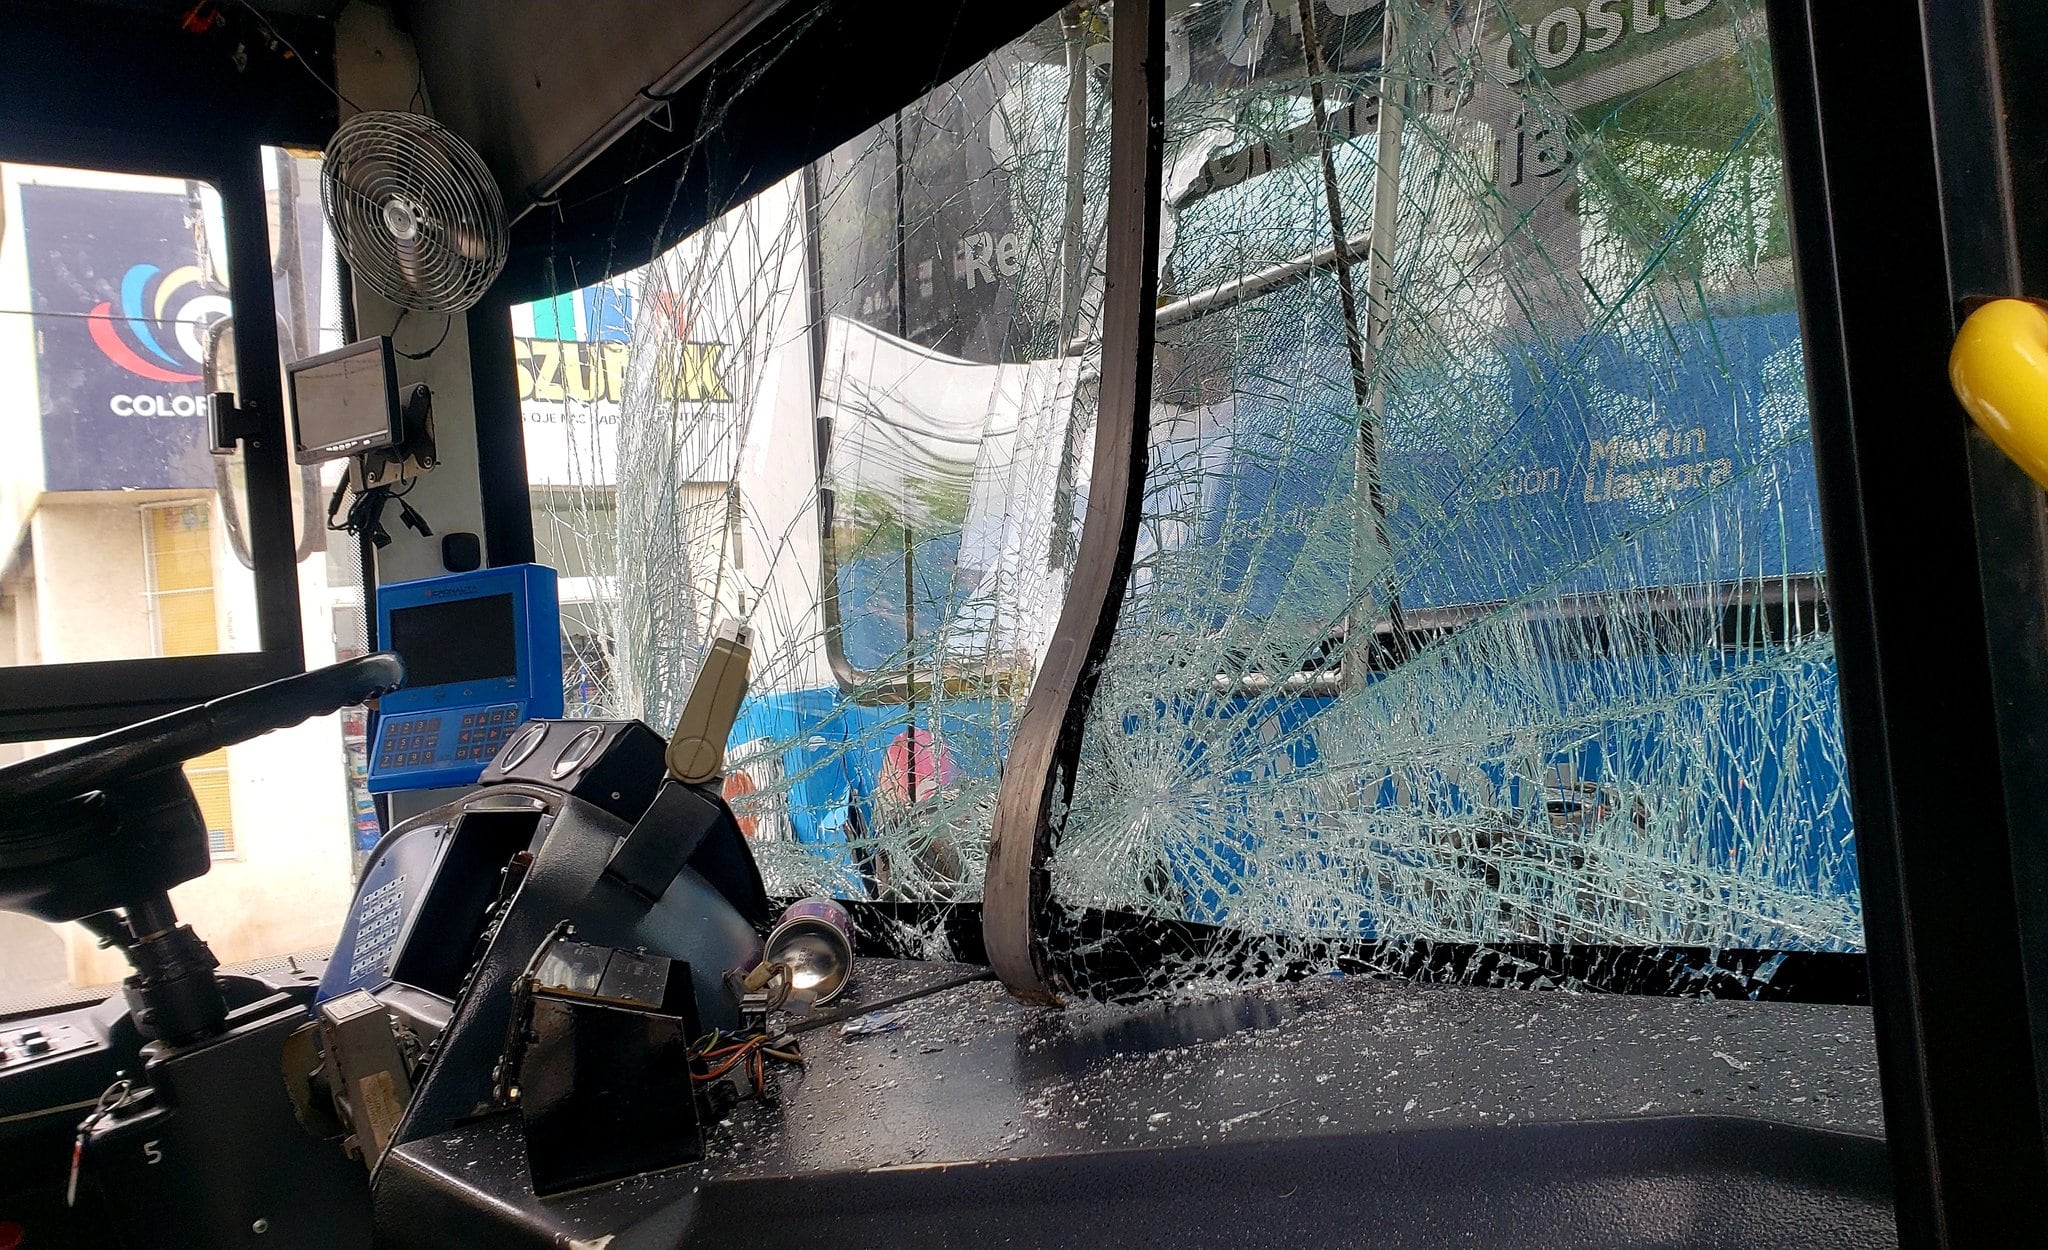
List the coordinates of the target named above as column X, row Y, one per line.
column 1400, row 623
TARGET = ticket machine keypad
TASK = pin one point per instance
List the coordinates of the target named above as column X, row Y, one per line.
column 454, row 736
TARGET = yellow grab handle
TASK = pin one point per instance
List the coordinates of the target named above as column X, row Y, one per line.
column 1999, row 369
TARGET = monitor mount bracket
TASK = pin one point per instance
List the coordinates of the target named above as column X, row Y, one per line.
column 415, row 452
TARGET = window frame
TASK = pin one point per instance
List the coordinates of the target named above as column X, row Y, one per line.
column 76, row 699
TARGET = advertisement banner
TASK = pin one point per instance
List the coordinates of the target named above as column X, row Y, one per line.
column 570, row 354
column 122, row 304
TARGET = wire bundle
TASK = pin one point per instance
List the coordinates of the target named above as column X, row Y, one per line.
column 365, row 513
column 749, row 1054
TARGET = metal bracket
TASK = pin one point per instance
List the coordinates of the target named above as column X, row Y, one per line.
column 229, row 423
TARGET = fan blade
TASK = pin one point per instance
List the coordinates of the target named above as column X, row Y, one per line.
column 371, row 176
column 469, row 243
column 466, row 242
column 411, row 262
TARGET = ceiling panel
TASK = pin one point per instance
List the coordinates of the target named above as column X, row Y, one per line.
column 538, row 85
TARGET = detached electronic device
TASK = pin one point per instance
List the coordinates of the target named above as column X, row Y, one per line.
column 598, row 1064
column 696, row 750
column 483, row 655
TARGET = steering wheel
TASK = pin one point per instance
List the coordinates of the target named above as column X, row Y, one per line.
column 85, row 825
column 178, row 736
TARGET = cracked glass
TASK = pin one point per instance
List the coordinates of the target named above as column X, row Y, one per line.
column 1478, row 608
column 851, row 411
column 1479, row 602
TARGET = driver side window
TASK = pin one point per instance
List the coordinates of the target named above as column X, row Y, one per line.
column 125, row 542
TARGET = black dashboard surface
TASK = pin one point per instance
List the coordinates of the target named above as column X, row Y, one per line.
column 1330, row 1111
column 970, row 1073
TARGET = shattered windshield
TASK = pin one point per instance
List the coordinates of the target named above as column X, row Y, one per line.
column 1480, row 532
column 1478, row 603
column 849, row 412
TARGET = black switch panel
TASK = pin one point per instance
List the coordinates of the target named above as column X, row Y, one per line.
column 614, row 764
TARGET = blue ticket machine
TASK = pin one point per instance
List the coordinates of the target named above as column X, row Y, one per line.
column 483, row 653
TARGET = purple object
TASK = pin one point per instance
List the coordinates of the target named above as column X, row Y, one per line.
column 815, row 938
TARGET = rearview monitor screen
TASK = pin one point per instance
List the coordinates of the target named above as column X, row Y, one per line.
column 344, row 402
column 457, row 640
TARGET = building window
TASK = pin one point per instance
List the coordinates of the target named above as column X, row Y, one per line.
column 177, row 540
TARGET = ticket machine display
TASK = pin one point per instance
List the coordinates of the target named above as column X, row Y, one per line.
column 482, row 654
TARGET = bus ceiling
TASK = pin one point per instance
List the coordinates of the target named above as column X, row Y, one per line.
column 566, row 112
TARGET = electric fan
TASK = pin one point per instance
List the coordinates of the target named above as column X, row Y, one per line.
column 414, row 210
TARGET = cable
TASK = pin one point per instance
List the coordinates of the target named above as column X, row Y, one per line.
column 861, row 1009
column 448, row 322
column 334, row 500
column 412, row 519
column 299, row 57
column 365, row 515
column 748, row 1055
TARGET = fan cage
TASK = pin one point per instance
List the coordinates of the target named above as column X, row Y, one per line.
column 415, row 211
